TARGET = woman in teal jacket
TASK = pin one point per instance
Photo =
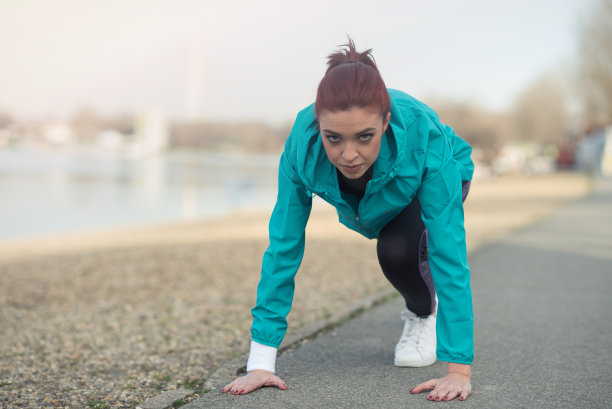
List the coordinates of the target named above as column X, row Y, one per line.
column 395, row 173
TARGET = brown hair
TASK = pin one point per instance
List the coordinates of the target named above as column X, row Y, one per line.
column 351, row 80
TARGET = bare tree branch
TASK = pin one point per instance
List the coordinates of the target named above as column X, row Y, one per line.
column 595, row 65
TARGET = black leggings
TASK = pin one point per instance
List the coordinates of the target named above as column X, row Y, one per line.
column 402, row 254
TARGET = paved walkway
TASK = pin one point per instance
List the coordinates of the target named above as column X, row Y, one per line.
column 543, row 330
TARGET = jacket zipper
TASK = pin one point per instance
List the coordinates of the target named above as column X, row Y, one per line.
column 336, row 204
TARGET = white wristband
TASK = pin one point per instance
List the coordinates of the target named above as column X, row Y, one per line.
column 262, row 357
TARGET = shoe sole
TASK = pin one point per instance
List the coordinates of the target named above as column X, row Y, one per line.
column 414, row 364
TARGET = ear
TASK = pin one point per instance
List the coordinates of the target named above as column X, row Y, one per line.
column 386, row 120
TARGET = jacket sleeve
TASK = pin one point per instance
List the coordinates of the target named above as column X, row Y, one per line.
column 442, row 213
column 462, row 153
column 282, row 258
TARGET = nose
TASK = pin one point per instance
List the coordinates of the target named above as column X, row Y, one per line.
column 349, row 153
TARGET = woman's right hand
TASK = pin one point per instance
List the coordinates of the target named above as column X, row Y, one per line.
column 254, row 380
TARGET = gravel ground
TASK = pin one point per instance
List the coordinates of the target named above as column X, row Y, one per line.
column 87, row 322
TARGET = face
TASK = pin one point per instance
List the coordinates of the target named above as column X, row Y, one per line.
column 352, row 138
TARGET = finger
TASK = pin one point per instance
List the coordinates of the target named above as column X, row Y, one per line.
column 236, row 388
column 247, row 389
column 276, row 381
column 435, row 396
column 425, row 386
column 452, row 394
column 438, row 393
column 250, row 388
column 227, row 387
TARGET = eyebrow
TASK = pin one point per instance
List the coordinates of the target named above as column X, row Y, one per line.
column 329, row 131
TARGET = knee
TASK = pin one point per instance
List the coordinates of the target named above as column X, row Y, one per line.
column 396, row 250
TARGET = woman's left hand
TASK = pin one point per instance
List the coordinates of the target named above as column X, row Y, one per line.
column 455, row 384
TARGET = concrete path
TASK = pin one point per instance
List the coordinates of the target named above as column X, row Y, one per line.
column 543, row 330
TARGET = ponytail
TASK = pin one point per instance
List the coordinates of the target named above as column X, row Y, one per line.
column 350, row 55
column 352, row 80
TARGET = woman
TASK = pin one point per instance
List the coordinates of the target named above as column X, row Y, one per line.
column 394, row 173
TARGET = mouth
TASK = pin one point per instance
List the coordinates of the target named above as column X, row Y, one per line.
column 352, row 168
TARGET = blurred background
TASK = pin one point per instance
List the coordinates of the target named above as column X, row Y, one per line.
column 135, row 112
column 139, row 145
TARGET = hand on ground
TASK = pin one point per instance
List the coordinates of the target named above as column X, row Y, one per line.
column 448, row 388
column 254, row 380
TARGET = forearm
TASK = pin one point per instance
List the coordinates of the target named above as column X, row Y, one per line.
column 442, row 212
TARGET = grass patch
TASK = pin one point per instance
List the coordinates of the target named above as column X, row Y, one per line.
column 3, row 383
column 97, row 404
column 163, row 378
column 179, row 403
column 193, row 384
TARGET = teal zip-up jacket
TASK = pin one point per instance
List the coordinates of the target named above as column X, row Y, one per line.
column 419, row 156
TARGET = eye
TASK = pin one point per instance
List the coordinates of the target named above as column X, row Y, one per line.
column 365, row 137
column 332, row 138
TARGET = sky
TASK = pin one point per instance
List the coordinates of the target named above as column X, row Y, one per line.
column 263, row 60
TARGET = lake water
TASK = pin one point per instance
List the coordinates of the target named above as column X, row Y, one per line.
column 48, row 191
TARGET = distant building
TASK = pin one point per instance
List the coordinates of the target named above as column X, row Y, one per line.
column 150, row 133
column 510, row 159
column 58, row 134
column 111, row 139
column 5, row 136
column 606, row 160
column 594, row 153
column 525, row 158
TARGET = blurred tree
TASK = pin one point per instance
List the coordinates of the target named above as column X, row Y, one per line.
column 237, row 136
column 595, row 63
column 480, row 128
column 123, row 122
column 86, row 124
column 5, row 120
column 540, row 113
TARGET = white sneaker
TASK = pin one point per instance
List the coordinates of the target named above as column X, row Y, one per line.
column 417, row 345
